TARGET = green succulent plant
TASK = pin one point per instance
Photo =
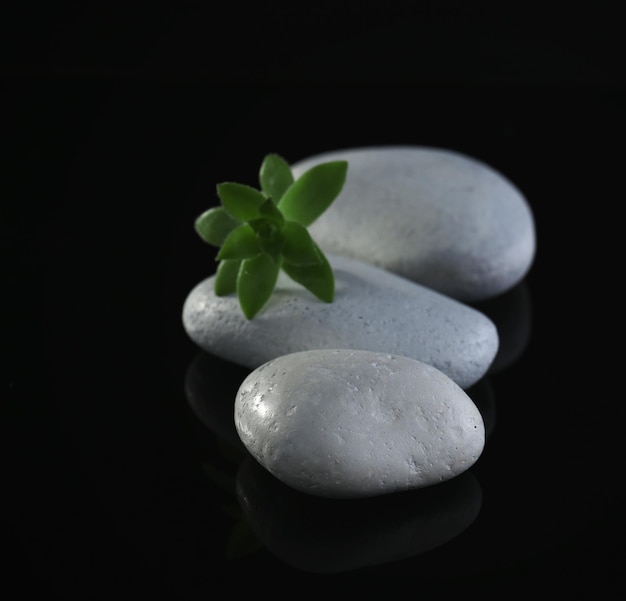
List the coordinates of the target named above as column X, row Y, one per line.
column 260, row 232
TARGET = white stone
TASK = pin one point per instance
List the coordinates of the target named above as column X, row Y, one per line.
column 346, row 424
column 373, row 309
column 437, row 217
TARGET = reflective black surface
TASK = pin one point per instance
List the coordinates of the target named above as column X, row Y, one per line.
column 122, row 470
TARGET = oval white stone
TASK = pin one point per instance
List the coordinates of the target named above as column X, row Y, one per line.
column 373, row 309
column 437, row 217
column 345, row 424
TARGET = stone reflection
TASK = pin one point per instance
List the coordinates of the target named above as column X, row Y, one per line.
column 211, row 384
column 511, row 312
column 330, row 536
column 317, row 534
column 484, row 398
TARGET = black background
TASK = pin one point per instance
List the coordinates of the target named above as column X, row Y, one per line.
column 117, row 123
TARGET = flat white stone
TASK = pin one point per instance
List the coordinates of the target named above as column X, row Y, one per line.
column 437, row 217
column 373, row 309
column 346, row 424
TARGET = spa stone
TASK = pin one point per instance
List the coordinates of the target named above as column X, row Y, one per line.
column 373, row 310
column 438, row 217
column 348, row 424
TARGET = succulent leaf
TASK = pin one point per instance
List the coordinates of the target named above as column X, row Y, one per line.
column 298, row 247
column 313, row 192
column 214, row 225
column 226, row 277
column 241, row 243
column 255, row 283
column 317, row 279
column 241, row 201
column 275, row 176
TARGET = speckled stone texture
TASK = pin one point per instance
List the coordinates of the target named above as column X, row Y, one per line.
column 349, row 424
column 373, row 310
column 435, row 216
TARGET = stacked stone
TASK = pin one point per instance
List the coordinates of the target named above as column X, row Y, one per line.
column 366, row 396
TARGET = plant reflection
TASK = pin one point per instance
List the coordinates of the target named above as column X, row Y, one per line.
column 511, row 312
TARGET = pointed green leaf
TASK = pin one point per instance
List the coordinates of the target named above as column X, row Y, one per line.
column 313, row 192
column 275, row 176
column 298, row 247
column 318, row 279
column 241, row 243
column 255, row 283
column 214, row 225
column 241, row 201
column 226, row 277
